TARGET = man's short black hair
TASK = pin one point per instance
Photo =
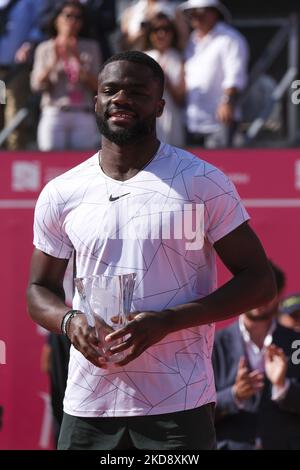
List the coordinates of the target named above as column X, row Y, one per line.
column 138, row 57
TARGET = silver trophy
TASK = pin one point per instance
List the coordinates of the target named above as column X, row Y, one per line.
column 106, row 302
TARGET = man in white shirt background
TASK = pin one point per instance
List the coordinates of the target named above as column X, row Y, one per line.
column 216, row 59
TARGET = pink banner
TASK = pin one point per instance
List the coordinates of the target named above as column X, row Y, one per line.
column 267, row 180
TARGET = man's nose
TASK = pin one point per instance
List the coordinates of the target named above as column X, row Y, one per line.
column 121, row 97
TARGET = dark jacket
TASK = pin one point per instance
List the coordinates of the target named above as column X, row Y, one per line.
column 277, row 424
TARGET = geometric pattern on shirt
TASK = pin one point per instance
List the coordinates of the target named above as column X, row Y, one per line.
column 186, row 369
column 184, row 359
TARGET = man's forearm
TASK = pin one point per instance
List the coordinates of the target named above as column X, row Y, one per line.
column 245, row 291
column 46, row 308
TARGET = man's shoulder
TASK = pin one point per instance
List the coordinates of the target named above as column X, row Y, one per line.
column 205, row 176
column 177, row 152
column 83, row 169
column 199, row 165
column 77, row 176
column 228, row 31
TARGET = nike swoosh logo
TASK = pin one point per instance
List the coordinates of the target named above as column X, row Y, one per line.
column 111, row 198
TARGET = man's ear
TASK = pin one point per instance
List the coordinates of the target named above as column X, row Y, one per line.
column 160, row 107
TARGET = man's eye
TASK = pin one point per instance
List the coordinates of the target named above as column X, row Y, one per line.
column 107, row 91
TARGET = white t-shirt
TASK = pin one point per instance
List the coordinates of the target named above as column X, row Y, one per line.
column 134, row 226
column 212, row 64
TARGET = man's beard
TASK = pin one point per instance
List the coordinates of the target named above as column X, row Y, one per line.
column 124, row 136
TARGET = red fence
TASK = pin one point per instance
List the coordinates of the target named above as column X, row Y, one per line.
column 269, row 183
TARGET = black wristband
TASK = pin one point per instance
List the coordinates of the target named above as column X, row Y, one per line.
column 66, row 320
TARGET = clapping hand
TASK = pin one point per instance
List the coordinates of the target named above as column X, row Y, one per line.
column 276, row 365
column 247, row 383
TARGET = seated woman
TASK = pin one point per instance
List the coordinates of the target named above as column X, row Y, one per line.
column 65, row 71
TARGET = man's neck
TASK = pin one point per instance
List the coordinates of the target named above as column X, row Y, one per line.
column 257, row 330
column 125, row 161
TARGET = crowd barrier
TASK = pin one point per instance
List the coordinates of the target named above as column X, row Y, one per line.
column 267, row 180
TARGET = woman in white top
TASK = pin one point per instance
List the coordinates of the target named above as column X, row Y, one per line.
column 162, row 45
column 65, row 72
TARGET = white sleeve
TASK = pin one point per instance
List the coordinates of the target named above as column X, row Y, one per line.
column 279, row 393
column 49, row 235
column 235, row 62
column 223, row 209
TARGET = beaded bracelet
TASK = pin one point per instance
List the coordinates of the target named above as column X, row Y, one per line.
column 66, row 320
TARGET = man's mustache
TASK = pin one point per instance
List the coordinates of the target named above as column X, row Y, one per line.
column 118, row 109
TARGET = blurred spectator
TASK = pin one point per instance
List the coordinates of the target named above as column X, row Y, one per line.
column 135, row 18
column 65, row 71
column 55, row 357
column 55, row 362
column 289, row 310
column 101, row 21
column 258, row 386
column 162, row 45
column 215, row 72
column 19, row 34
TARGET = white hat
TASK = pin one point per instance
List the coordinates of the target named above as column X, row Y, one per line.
column 191, row 4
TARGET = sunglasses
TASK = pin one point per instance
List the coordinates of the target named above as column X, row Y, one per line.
column 165, row 29
column 69, row 16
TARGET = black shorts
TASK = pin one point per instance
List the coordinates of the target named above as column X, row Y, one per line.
column 189, row 430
